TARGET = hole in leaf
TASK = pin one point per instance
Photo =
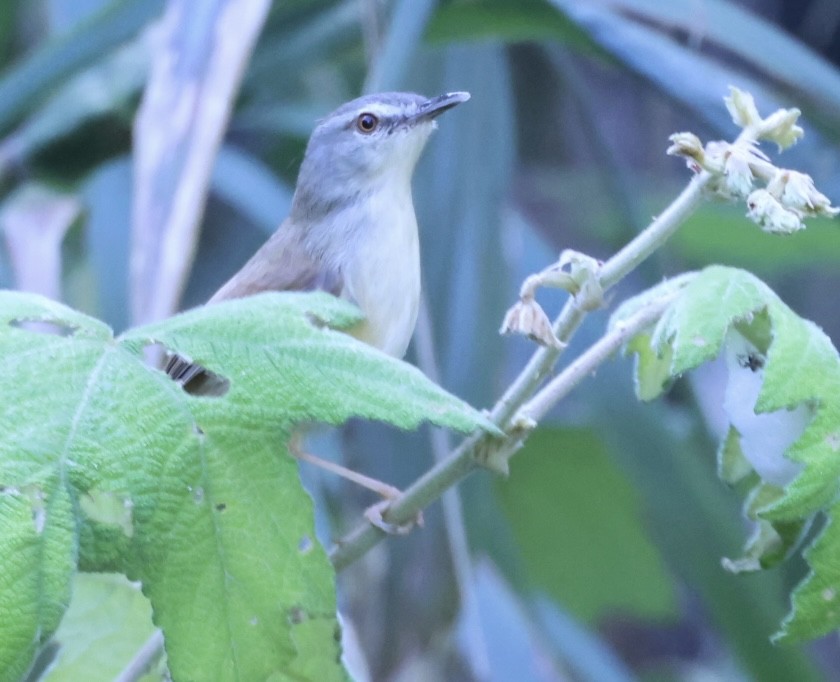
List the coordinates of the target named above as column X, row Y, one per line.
column 109, row 508
column 39, row 516
column 305, row 545
column 198, row 495
column 49, row 327
column 297, row 615
column 221, row 506
column 315, row 321
column 192, row 377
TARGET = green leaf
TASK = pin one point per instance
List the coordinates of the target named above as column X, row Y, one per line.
column 717, row 233
column 770, row 543
column 789, row 380
column 318, row 374
column 196, row 497
column 23, row 86
column 653, row 372
column 759, row 44
column 399, row 43
column 599, row 539
column 527, row 20
column 106, row 624
column 37, row 543
column 653, row 363
column 814, row 609
column 90, row 94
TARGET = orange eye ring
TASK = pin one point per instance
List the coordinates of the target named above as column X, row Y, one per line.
column 367, row 123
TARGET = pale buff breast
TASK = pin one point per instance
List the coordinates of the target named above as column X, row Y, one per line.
column 387, row 286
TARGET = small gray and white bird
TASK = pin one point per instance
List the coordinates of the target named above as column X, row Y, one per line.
column 352, row 230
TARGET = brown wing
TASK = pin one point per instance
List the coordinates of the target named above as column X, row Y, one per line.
column 281, row 264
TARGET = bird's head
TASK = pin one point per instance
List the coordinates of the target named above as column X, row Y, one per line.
column 371, row 139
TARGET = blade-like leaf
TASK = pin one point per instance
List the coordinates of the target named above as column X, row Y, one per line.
column 652, row 52
column 24, row 84
column 504, row 21
column 106, row 86
column 185, row 109
column 247, row 184
column 753, row 40
column 408, row 21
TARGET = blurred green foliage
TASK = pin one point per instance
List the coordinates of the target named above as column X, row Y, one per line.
column 561, row 146
column 572, row 555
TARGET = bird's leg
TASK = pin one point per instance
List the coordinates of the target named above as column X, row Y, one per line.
column 387, row 491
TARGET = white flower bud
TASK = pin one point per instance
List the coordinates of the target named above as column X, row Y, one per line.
column 780, row 127
column 738, row 177
column 766, row 211
column 741, row 106
column 716, row 155
column 687, row 145
column 797, row 191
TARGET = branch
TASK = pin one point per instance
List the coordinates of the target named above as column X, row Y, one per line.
column 465, row 458
column 598, row 353
column 480, row 449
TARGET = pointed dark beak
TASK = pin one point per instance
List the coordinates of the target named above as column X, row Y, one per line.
column 435, row 106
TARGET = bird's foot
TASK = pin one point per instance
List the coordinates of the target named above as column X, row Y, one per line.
column 374, row 513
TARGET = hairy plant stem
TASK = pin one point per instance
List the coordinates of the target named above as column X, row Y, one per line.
column 480, row 448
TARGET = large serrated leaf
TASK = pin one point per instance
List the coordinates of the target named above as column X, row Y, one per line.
column 37, row 544
column 799, row 374
column 196, row 497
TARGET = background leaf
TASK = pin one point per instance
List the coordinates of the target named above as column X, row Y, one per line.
column 601, row 531
column 107, row 621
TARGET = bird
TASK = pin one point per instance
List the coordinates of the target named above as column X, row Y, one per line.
column 352, row 229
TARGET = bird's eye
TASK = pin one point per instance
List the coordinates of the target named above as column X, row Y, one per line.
column 367, row 122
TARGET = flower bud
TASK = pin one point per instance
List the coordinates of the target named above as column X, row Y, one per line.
column 741, row 106
column 687, row 145
column 797, row 191
column 766, row 211
column 780, row 127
